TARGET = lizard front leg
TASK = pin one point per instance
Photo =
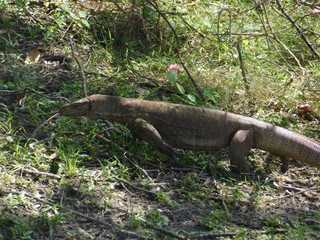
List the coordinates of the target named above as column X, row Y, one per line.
column 240, row 146
column 144, row 130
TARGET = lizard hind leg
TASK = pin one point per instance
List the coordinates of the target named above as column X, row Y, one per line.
column 142, row 129
column 240, row 146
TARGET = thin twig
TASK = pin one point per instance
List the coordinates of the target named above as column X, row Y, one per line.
column 191, row 27
column 37, row 172
column 243, row 71
column 253, row 34
column 164, row 231
column 27, row 89
column 84, row 82
column 123, row 182
column 216, row 235
column 296, row 190
column 274, row 36
column 218, row 24
column 289, row 51
column 308, row 4
column 309, row 45
column 154, row 81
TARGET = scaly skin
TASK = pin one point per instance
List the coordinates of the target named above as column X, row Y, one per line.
column 167, row 125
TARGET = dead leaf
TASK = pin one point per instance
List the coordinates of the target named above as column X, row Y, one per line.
column 33, row 56
column 307, row 111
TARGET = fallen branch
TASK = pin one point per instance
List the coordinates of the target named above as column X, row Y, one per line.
column 243, row 71
column 84, row 82
column 37, row 172
column 216, row 235
column 164, row 231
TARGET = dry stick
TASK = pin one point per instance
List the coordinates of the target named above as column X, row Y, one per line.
column 284, row 46
column 84, row 82
column 179, row 46
column 164, row 231
column 276, row 38
column 218, row 25
column 265, row 23
column 191, row 27
column 243, row 71
column 37, row 172
column 254, row 34
column 154, row 81
column 298, row 191
column 215, row 235
column 298, row 29
column 244, row 75
column 308, row 4
column 289, row 51
column 27, row 89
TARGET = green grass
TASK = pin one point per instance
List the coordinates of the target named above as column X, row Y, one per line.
column 77, row 166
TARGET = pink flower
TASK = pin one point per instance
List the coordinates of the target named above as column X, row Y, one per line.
column 316, row 11
column 175, row 67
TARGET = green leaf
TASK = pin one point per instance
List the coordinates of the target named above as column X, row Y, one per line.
column 192, row 98
column 180, row 88
column 174, row 72
column 85, row 23
column 171, row 78
column 20, row 3
column 65, row 7
column 82, row 14
column 207, row 93
column 150, row 13
column 74, row 16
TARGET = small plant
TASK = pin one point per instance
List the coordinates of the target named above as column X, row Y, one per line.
column 18, row 227
column 299, row 230
column 192, row 98
column 216, row 220
column 156, row 217
column 49, row 218
column 163, row 197
column 79, row 18
column 134, row 221
column 173, row 77
column 273, row 221
column 231, row 195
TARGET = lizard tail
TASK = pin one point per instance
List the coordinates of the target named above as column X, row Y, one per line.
column 286, row 143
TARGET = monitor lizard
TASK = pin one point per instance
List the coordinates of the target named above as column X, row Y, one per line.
column 167, row 126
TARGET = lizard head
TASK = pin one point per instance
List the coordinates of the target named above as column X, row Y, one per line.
column 80, row 107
